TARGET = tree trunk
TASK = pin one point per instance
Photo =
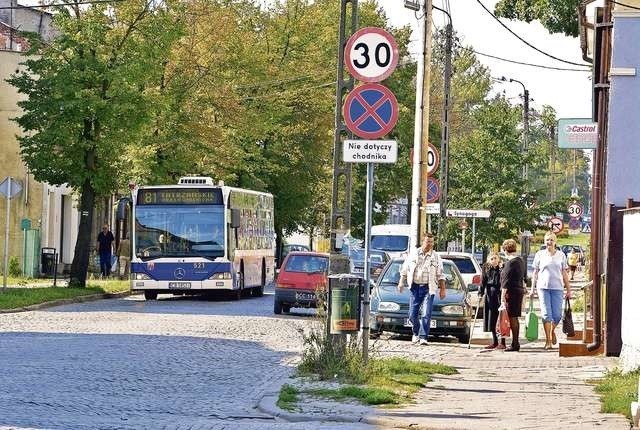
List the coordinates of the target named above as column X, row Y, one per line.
column 80, row 265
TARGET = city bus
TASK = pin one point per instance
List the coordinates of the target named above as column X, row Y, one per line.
column 197, row 237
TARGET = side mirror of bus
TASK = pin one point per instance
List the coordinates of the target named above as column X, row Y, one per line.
column 235, row 218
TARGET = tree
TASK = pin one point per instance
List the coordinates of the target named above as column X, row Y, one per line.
column 557, row 16
column 88, row 94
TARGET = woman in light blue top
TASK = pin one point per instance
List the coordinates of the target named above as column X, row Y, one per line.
column 550, row 276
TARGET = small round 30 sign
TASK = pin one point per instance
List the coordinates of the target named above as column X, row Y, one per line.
column 371, row 54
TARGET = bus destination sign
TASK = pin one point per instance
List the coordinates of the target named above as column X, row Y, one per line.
column 180, row 196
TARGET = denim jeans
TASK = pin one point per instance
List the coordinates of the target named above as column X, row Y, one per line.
column 420, row 306
column 551, row 302
column 105, row 263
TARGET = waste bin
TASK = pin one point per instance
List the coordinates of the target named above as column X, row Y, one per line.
column 344, row 301
column 48, row 257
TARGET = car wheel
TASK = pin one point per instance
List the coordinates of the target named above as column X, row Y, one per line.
column 150, row 295
column 286, row 309
column 277, row 307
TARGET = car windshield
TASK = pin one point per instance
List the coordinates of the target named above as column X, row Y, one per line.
column 307, row 264
column 391, row 276
column 390, row 243
column 377, row 257
column 464, row 264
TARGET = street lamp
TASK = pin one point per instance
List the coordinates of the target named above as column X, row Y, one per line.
column 525, row 118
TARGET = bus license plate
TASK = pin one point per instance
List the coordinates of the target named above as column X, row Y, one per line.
column 179, row 284
column 305, row 296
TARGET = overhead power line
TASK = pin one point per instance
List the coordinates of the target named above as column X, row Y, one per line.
column 78, row 3
column 625, row 5
column 564, row 69
column 524, row 41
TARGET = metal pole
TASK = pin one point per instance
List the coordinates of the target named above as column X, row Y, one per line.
column 525, row 144
column 367, row 264
column 6, row 237
column 473, row 235
column 464, row 230
column 417, row 134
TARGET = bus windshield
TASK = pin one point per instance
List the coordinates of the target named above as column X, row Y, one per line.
column 179, row 231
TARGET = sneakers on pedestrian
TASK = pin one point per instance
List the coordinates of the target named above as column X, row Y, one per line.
column 415, row 339
column 423, row 342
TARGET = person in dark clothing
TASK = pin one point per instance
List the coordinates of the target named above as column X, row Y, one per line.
column 512, row 286
column 105, row 249
column 490, row 290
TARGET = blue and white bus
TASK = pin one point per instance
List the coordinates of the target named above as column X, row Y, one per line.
column 197, row 237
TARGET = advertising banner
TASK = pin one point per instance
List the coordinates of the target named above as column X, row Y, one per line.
column 577, row 133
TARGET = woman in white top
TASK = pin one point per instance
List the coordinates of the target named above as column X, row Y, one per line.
column 549, row 276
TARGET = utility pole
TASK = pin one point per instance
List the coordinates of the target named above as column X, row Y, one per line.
column 552, row 151
column 421, row 131
column 444, row 146
column 525, row 120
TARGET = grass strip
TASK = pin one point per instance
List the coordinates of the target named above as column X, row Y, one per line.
column 617, row 390
column 15, row 298
column 288, row 397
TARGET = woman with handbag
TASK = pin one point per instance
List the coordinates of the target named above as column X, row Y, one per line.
column 490, row 290
column 549, row 277
column 511, row 284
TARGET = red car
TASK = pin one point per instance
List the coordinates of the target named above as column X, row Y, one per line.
column 302, row 275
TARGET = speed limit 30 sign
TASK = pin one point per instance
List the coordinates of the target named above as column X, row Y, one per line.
column 575, row 210
column 371, row 54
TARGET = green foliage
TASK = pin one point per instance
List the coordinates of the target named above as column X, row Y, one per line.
column 367, row 395
column 617, row 390
column 14, row 267
column 557, row 16
column 288, row 397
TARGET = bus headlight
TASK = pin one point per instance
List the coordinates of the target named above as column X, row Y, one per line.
column 222, row 275
column 140, row 276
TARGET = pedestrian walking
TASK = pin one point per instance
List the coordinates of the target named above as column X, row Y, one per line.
column 105, row 250
column 549, row 277
column 572, row 261
column 512, row 290
column 489, row 293
column 124, row 257
column 423, row 270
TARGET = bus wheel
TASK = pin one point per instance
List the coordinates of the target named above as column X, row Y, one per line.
column 237, row 294
column 150, row 295
column 259, row 291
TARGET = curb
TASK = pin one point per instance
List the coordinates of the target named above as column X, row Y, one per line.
column 59, row 302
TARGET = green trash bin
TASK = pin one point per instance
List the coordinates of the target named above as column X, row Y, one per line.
column 345, row 291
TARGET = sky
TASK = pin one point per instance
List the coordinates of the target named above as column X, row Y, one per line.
column 569, row 93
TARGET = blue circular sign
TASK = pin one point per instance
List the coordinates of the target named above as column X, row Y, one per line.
column 433, row 190
column 370, row 111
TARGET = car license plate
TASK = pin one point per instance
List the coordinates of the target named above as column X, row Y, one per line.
column 432, row 323
column 179, row 284
column 305, row 296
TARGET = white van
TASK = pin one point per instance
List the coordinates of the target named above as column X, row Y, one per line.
column 393, row 238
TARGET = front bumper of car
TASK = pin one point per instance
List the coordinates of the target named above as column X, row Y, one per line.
column 441, row 325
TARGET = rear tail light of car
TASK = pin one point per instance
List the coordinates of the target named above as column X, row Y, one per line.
column 284, row 285
column 452, row 310
column 388, row 307
column 477, row 279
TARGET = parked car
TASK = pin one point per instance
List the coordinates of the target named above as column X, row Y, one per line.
column 471, row 272
column 378, row 260
column 287, row 248
column 451, row 316
column 302, row 276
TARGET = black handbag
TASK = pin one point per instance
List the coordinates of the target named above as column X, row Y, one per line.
column 567, row 320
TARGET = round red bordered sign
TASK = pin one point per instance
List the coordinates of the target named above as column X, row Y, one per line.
column 370, row 111
column 371, row 54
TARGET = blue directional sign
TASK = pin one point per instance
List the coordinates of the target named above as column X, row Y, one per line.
column 370, row 111
column 433, row 190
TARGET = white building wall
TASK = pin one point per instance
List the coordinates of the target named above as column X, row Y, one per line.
column 630, row 324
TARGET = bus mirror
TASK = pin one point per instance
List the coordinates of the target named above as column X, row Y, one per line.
column 235, row 218
column 121, row 210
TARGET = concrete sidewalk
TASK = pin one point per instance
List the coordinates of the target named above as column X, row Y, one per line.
column 529, row 389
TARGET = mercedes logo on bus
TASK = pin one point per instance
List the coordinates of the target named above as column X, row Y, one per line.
column 179, row 273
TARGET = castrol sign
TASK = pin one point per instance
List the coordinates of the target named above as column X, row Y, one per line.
column 577, row 133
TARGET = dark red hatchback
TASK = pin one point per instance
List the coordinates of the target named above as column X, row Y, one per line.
column 302, row 275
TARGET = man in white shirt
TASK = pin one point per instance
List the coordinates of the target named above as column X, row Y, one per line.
column 422, row 268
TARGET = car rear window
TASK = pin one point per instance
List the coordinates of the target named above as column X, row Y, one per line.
column 464, row 264
column 307, row 264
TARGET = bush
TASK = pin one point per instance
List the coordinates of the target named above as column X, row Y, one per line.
column 14, row 267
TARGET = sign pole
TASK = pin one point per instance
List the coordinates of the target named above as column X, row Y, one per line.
column 464, row 230
column 473, row 235
column 367, row 264
column 6, row 237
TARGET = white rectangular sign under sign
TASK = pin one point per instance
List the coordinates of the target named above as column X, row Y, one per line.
column 468, row 213
column 370, row 151
column 432, row 208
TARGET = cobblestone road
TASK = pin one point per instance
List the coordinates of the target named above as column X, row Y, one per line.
column 127, row 363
